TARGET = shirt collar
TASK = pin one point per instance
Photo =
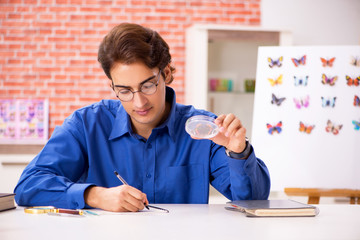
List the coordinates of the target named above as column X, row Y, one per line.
column 122, row 123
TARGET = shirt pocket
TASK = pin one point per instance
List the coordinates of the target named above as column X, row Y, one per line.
column 186, row 184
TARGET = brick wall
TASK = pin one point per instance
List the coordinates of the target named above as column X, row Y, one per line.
column 48, row 48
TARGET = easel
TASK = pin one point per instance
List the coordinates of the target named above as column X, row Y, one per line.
column 314, row 194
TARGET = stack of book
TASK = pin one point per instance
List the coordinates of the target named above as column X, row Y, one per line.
column 7, row 201
column 273, row 208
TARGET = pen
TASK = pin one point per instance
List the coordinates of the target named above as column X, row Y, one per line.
column 125, row 183
column 120, row 178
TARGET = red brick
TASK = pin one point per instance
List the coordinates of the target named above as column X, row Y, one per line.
column 45, row 92
column 30, row 2
column 29, row 92
column 77, row 25
column 62, row 9
column 46, row 2
column 7, row 9
column 39, row 9
column 14, row 61
column 29, row 16
column 46, row 24
column 254, row 20
column 7, row 54
column 62, row 54
column 14, row 16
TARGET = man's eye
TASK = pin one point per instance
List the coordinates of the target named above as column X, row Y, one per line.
column 147, row 85
column 124, row 91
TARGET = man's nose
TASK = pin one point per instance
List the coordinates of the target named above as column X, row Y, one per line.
column 139, row 99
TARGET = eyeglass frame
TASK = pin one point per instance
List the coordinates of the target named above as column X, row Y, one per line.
column 141, row 85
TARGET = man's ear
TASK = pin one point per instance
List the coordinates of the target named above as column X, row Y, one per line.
column 168, row 74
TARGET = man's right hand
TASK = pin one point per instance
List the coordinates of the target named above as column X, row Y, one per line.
column 123, row 198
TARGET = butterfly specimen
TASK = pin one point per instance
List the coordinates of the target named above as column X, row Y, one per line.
column 329, row 102
column 327, row 62
column 352, row 81
column 302, row 102
column 327, row 80
column 301, row 81
column 300, row 61
column 277, row 81
column 276, row 100
column 356, row 124
column 276, row 128
column 275, row 63
column 355, row 61
column 330, row 127
column 306, row 129
column 356, row 101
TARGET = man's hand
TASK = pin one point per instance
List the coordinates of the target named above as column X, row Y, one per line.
column 232, row 133
column 123, row 198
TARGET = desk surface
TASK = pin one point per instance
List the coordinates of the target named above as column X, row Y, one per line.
column 183, row 222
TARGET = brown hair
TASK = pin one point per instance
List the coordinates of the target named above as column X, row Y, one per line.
column 128, row 43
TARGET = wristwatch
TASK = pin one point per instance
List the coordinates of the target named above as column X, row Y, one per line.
column 243, row 155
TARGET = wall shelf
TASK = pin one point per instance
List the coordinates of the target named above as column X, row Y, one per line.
column 20, row 148
column 222, row 51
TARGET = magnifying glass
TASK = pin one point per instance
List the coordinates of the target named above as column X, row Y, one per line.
column 201, row 126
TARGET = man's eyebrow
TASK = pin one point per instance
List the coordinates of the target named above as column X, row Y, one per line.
column 148, row 79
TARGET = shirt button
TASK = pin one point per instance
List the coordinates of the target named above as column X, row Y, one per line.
column 148, row 175
column 149, row 146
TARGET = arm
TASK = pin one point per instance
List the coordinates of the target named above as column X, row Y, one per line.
column 244, row 178
column 58, row 176
column 54, row 177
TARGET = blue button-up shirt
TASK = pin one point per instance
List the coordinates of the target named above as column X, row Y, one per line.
column 169, row 166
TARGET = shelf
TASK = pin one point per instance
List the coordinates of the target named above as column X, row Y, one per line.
column 229, row 93
column 20, row 148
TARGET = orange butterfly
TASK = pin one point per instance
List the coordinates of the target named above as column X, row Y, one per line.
column 327, row 62
column 352, row 81
column 306, row 129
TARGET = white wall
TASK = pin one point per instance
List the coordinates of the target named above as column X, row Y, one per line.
column 315, row 22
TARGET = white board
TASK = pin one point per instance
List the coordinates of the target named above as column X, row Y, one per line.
column 319, row 159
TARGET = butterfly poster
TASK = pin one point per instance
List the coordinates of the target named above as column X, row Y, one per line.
column 23, row 121
column 306, row 108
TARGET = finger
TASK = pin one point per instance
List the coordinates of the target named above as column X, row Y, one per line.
column 132, row 204
column 132, row 196
column 219, row 120
column 137, row 198
column 228, row 120
column 134, row 192
column 129, row 206
column 241, row 133
column 233, row 127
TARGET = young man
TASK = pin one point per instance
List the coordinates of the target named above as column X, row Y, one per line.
column 143, row 138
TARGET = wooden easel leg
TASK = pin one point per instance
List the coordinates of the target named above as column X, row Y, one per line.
column 313, row 200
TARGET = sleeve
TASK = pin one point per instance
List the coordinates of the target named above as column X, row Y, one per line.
column 239, row 179
column 54, row 177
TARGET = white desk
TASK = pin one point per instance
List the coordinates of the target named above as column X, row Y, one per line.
column 184, row 222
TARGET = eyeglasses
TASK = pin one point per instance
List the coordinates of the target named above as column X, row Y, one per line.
column 147, row 88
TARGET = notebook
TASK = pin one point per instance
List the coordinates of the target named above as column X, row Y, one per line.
column 7, row 201
column 272, row 208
